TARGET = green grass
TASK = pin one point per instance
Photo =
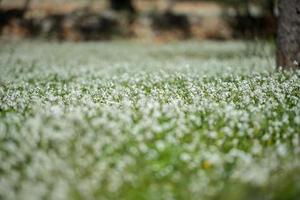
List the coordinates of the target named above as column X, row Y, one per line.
column 122, row 120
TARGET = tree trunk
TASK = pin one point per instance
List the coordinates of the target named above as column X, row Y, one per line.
column 122, row 5
column 288, row 36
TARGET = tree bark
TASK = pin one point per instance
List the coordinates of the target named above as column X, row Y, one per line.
column 288, row 36
column 122, row 5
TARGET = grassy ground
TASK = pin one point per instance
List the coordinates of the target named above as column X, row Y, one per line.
column 191, row 120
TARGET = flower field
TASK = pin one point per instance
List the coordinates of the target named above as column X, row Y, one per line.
column 123, row 120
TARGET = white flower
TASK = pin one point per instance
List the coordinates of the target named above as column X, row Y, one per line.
column 160, row 145
column 185, row 157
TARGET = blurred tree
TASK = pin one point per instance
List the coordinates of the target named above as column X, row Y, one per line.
column 122, row 5
column 6, row 15
column 243, row 7
column 288, row 39
column 26, row 5
column 269, row 7
column 250, row 18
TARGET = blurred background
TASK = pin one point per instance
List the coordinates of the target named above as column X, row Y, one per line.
column 154, row 20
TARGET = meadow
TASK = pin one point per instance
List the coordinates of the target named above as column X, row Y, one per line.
column 126, row 120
